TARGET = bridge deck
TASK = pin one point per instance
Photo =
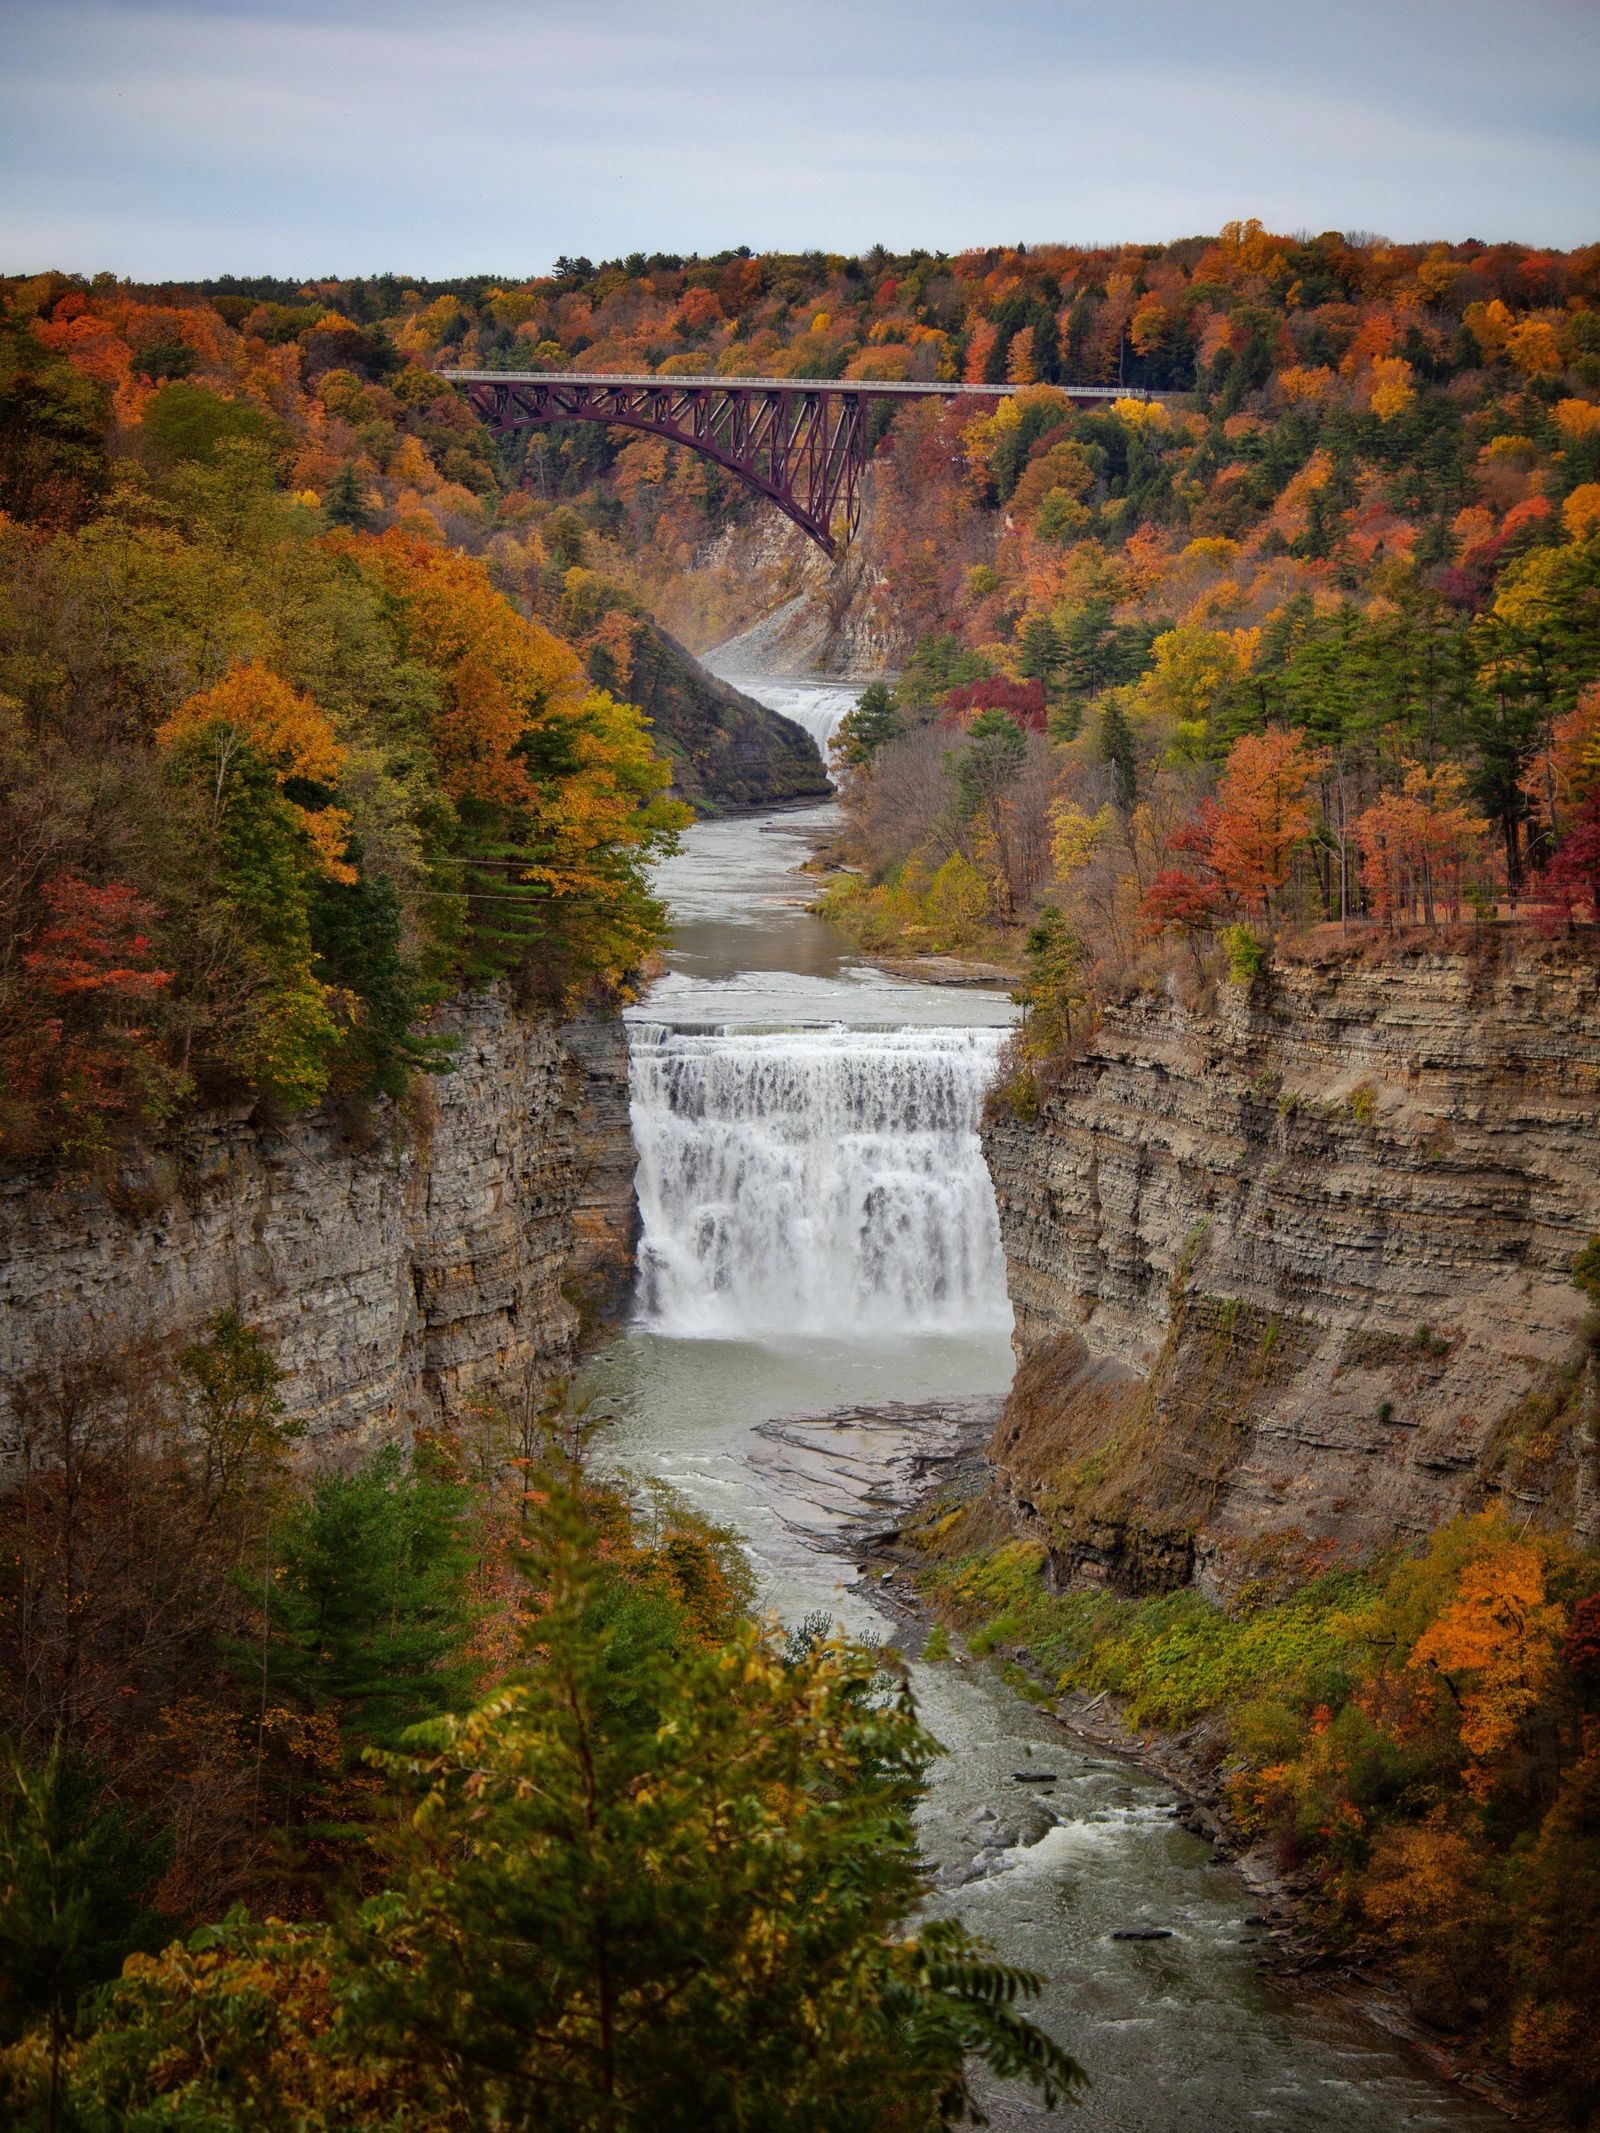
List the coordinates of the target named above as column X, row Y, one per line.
column 875, row 388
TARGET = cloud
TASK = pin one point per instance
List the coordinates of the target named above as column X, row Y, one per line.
column 347, row 136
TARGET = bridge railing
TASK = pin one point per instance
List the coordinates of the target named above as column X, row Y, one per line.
column 874, row 388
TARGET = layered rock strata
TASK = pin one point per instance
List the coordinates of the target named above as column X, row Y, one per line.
column 1291, row 1269
column 447, row 1253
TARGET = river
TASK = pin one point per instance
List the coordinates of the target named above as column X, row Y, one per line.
column 819, row 1230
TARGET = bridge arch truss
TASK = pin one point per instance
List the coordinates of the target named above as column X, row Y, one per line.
column 804, row 449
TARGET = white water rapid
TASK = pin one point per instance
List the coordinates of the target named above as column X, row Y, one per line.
column 815, row 1182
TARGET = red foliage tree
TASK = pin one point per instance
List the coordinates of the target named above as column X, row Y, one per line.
column 80, row 1008
column 1572, row 879
column 1180, row 902
column 1022, row 700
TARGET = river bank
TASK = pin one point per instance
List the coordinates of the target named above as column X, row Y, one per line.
column 858, row 1480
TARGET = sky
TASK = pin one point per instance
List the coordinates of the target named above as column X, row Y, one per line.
column 188, row 138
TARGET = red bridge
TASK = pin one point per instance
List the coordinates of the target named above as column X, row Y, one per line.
column 802, row 442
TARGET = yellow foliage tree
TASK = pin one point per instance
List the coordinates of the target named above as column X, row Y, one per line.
column 289, row 732
column 1392, row 391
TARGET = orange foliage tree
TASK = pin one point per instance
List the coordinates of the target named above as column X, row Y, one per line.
column 1496, row 1647
column 1263, row 814
column 560, row 794
column 289, row 732
column 1419, row 845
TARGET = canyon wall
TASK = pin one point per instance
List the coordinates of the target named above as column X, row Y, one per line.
column 727, row 751
column 764, row 596
column 450, row 1250
column 1291, row 1266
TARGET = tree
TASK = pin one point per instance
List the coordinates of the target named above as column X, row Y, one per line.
column 288, row 731
column 75, row 1884
column 1180, row 901
column 368, row 1606
column 1263, row 814
column 985, row 770
column 873, row 721
column 53, row 465
column 559, row 793
column 80, row 1046
column 233, row 1407
column 1040, row 651
column 1058, row 984
column 1419, row 846
column 653, row 1888
column 1572, row 879
column 343, row 503
column 1114, row 747
column 1495, row 1646
column 656, row 1882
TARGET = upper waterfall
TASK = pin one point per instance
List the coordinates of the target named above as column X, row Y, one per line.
column 815, row 1182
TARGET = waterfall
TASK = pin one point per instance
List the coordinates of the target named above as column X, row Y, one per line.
column 818, row 706
column 815, row 1182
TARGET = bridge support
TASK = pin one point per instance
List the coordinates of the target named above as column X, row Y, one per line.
column 804, row 447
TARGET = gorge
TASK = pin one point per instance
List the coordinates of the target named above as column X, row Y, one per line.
column 816, row 1232
column 813, row 1201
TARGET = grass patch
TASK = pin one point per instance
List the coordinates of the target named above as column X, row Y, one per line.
column 1172, row 1658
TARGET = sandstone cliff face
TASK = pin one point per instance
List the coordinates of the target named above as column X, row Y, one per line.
column 394, row 1280
column 764, row 590
column 1291, row 1272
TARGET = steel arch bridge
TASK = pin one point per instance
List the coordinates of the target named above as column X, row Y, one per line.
column 800, row 442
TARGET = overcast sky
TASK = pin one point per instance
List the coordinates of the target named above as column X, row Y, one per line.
column 308, row 137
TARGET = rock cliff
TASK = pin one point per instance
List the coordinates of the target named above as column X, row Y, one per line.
column 727, row 751
column 450, row 1251
column 1291, row 1268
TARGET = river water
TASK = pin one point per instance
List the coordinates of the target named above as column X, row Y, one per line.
column 819, row 1231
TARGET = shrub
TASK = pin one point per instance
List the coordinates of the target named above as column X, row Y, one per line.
column 1247, row 955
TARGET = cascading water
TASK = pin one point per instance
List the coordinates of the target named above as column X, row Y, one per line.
column 815, row 1182
column 818, row 708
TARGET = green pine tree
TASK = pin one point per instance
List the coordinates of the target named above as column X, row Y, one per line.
column 343, row 503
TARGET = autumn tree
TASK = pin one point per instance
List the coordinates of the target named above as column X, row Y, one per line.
column 1421, row 846
column 81, row 1047
column 1264, row 814
column 558, row 790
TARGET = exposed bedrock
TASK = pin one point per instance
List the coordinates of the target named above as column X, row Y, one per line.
column 1291, row 1270
column 450, row 1252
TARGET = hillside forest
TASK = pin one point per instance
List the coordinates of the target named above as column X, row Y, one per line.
column 1317, row 640
column 317, row 705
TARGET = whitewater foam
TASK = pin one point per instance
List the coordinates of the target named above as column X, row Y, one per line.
column 797, row 1183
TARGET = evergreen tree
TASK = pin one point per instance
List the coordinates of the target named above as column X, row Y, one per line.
column 75, row 1884
column 862, row 731
column 369, row 1605
column 1040, row 651
column 657, row 1882
column 343, row 503
column 1114, row 746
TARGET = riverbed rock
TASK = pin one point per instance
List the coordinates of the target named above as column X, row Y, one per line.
column 840, row 1479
